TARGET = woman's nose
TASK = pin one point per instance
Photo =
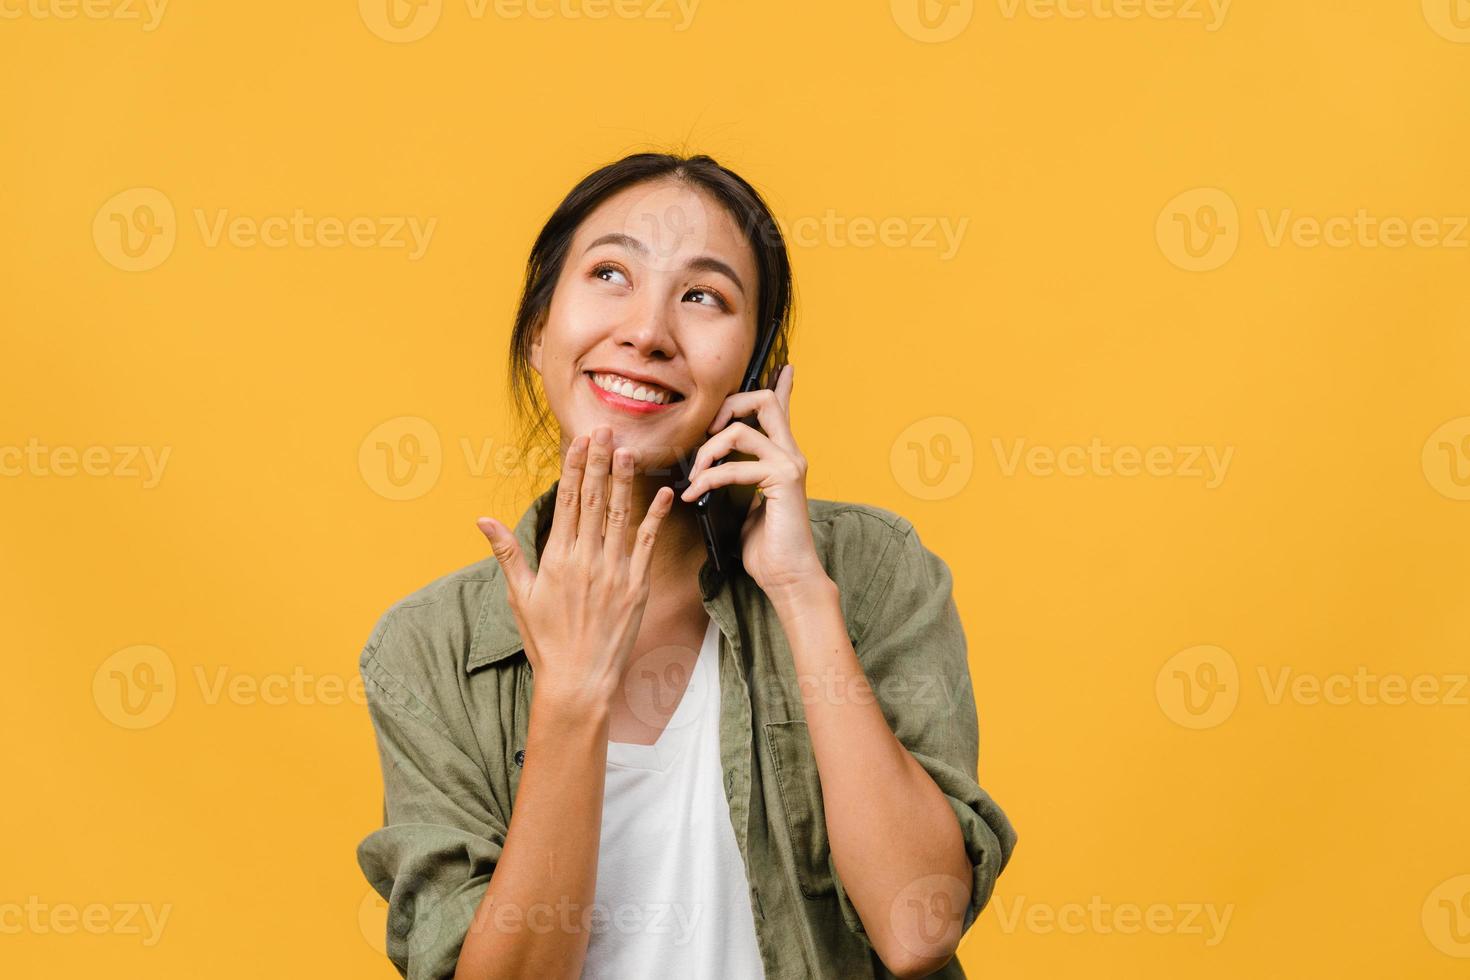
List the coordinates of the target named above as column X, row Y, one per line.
column 649, row 328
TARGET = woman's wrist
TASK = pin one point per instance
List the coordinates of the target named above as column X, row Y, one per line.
column 800, row 594
column 585, row 707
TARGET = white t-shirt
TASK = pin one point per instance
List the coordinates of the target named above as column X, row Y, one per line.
column 672, row 898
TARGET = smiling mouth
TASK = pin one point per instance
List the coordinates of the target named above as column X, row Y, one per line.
column 634, row 391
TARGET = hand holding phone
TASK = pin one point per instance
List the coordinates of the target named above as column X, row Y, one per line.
column 721, row 512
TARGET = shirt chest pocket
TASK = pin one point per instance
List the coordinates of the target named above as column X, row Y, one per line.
column 801, row 801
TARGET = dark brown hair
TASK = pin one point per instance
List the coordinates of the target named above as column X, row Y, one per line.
column 544, row 266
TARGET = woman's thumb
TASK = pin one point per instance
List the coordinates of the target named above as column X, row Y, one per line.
column 507, row 551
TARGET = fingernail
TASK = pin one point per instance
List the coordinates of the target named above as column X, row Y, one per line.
column 604, row 436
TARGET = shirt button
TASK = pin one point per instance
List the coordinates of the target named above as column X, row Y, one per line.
column 521, row 758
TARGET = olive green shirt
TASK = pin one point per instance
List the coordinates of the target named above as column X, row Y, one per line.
column 449, row 692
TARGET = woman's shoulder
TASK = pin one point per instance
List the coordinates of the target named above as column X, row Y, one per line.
column 875, row 556
column 432, row 626
column 849, row 532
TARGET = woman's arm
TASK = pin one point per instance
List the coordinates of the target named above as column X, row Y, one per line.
column 893, row 835
column 533, row 920
column 916, row 843
column 579, row 614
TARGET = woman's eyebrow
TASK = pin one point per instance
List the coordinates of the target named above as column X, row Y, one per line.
column 702, row 263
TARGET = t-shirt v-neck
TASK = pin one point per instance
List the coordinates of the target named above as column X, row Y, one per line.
column 701, row 694
column 673, row 898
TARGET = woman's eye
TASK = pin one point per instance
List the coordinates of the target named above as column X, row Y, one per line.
column 715, row 299
column 604, row 271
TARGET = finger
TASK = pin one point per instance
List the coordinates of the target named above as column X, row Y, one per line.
column 770, row 413
column 784, row 383
column 735, row 436
column 518, row 574
column 642, row 557
column 619, row 505
column 740, row 403
column 745, row 472
column 568, row 498
column 594, row 494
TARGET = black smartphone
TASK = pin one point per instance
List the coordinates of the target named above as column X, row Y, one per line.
column 721, row 512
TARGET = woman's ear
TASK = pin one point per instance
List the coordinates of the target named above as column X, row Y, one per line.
column 536, row 343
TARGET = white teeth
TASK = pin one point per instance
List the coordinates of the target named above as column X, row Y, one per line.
column 626, row 388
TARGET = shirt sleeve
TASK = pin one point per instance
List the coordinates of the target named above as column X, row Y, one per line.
column 432, row 859
column 912, row 648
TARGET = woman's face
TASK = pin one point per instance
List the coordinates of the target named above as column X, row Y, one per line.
column 659, row 287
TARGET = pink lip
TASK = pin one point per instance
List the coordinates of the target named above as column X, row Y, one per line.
column 624, row 404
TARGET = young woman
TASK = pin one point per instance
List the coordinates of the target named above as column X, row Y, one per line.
column 604, row 758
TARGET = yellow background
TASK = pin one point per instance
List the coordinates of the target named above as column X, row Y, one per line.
column 1336, row 540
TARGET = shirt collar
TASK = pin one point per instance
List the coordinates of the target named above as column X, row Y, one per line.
column 496, row 634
